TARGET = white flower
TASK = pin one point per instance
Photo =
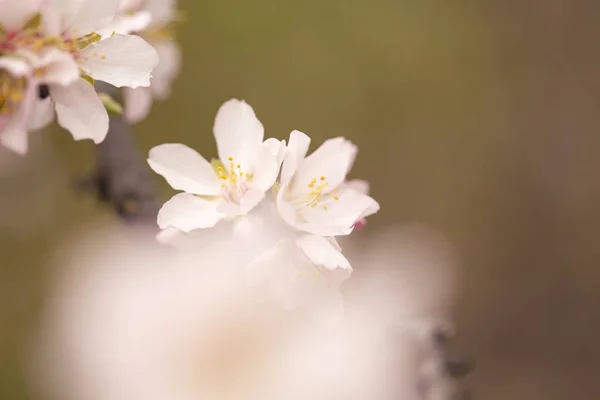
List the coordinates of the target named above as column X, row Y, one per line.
column 313, row 197
column 152, row 20
column 79, row 26
column 305, row 275
column 21, row 74
column 248, row 167
column 129, row 321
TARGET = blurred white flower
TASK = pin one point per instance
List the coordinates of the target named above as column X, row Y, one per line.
column 313, row 197
column 130, row 320
column 61, row 40
column 21, row 108
column 152, row 20
column 233, row 186
column 83, row 28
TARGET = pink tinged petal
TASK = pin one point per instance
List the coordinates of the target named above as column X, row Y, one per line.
column 15, row 13
column 41, row 115
column 168, row 68
column 80, row 111
column 321, row 252
column 238, row 132
column 266, row 166
column 360, row 224
column 187, row 212
column 296, row 151
column 121, row 60
column 184, row 169
column 138, row 103
column 332, row 160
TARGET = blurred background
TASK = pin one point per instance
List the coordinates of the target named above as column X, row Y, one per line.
column 478, row 118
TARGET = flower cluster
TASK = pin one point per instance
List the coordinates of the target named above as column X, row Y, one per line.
column 297, row 217
column 52, row 52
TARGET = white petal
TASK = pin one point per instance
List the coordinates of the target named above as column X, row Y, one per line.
column 163, row 11
column 340, row 215
column 126, row 23
column 14, row 130
column 276, row 147
column 13, row 135
column 15, row 66
column 59, row 66
column 187, row 212
column 321, row 252
column 91, row 16
column 121, row 60
column 15, row 13
column 359, row 185
column 80, row 111
column 238, row 132
column 332, row 160
column 266, row 166
column 138, row 103
column 168, row 67
column 41, row 115
column 248, row 201
column 184, row 169
column 296, row 151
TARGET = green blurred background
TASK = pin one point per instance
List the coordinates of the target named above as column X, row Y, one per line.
column 479, row 118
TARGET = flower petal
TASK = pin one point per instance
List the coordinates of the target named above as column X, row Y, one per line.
column 138, row 103
column 321, row 252
column 121, row 60
column 91, row 16
column 337, row 217
column 238, row 132
column 168, row 67
column 15, row 13
column 59, row 66
column 296, row 151
column 15, row 66
column 41, row 115
column 163, row 11
column 332, row 160
column 248, row 201
column 184, row 169
column 266, row 166
column 187, row 212
column 359, row 185
column 131, row 23
column 80, row 111
column 13, row 135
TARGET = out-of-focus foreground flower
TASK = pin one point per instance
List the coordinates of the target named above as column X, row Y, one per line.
column 51, row 51
column 132, row 320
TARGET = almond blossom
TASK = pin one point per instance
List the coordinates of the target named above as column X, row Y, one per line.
column 152, row 20
column 51, row 51
column 81, row 27
column 314, row 197
column 231, row 186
